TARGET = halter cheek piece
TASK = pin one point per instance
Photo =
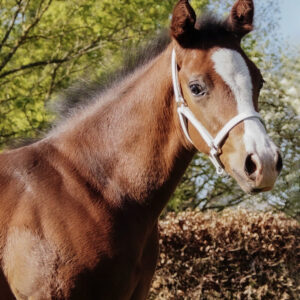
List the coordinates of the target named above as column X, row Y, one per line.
column 185, row 114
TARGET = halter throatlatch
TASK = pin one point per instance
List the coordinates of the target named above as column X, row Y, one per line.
column 185, row 114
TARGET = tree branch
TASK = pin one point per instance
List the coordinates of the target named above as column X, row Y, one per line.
column 91, row 47
column 6, row 100
column 35, row 64
column 24, row 35
column 11, row 26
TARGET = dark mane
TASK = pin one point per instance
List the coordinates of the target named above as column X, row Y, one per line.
column 210, row 24
column 211, row 29
column 83, row 92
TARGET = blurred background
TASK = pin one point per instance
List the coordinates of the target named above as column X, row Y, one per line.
column 49, row 45
column 290, row 22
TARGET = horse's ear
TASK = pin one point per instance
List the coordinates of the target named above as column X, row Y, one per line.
column 241, row 17
column 183, row 22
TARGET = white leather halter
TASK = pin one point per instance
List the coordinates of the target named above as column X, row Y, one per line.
column 185, row 114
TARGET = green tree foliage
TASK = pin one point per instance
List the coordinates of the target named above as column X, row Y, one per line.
column 286, row 196
column 47, row 44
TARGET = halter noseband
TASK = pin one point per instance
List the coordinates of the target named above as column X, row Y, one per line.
column 185, row 114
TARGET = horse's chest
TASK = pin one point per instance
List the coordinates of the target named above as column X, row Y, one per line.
column 83, row 275
column 117, row 275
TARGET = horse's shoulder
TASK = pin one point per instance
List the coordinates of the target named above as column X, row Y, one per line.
column 25, row 170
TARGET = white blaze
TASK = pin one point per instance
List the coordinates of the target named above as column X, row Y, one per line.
column 232, row 68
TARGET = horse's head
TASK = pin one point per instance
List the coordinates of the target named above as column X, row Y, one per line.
column 217, row 88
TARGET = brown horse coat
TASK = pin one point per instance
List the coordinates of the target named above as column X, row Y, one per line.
column 79, row 209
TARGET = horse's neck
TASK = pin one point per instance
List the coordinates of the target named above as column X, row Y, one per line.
column 131, row 147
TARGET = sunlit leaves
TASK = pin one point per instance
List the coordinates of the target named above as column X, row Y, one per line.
column 46, row 45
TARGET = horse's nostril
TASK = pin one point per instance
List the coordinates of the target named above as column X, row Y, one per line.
column 279, row 163
column 250, row 165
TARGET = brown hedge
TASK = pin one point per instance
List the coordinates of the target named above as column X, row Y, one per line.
column 233, row 255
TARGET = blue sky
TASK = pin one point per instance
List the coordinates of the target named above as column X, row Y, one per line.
column 290, row 20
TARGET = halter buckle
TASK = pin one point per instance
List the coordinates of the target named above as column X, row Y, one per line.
column 214, row 158
column 180, row 102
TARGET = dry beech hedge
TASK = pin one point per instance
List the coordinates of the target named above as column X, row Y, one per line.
column 233, row 255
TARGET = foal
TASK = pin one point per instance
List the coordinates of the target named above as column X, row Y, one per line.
column 79, row 209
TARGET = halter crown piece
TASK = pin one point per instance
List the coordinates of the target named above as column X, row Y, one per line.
column 185, row 114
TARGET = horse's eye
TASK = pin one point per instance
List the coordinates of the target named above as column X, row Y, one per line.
column 197, row 89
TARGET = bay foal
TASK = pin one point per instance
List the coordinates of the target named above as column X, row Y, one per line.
column 79, row 209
